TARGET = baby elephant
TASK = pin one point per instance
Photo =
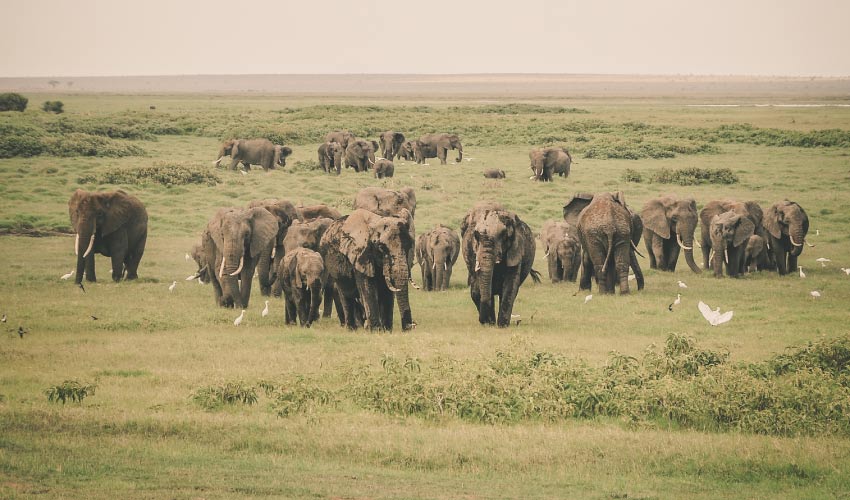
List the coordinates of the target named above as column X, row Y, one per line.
column 492, row 173
column 754, row 253
column 563, row 255
column 301, row 276
column 383, row 168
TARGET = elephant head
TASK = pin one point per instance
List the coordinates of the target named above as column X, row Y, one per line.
column 226, row 149
column 443, row 247
column 391, row 144
column 787, row 219
column 406, row 150
column 729, row 230
column 197, row 255
column 343, row 137
column 495, row 241
column 754, row 253
column 305, row 234
column 668, row 217
column 452, row 141
column 280, row 154
column 333, row 152
column 361, row 154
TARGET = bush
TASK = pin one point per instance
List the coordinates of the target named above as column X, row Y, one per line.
column 214, row 397
column 631, row 175
column 166, row 174
column 694, row 175
column 13, row 102
column 69, row 390
column 78, row 144
column 53, row 107
column 297, row 397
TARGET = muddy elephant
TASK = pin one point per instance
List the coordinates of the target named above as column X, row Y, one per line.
column 389, row 203
column 609, row 232
column 391, row 144
column 301, row 279
column 786, row 226
column 563, row 251
column 442, row 248
column 383, row 168
column 442, row 143
column 545, row 162
column 669, row 226
column 498, row 249
column 366, row 256
column 112, row 223
column 249, row 152
column 308, row 235
column 749, row 209
column 730, row 232
column 343, row 137
column 286, row 214
column 237, row 242
column 310, row 212
column 330, row 157
column 755, row 253
column 492, row 173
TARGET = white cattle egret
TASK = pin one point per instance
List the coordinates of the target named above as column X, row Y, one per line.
column 714, row 317
column 682, row 284
column 802, row 274
column 188, row 257
column 3, row 319
column 817, row 232
column 243, row 172
column 846, row 271
column 675, row 302
column 631, row 277
column 823, row 261
column 266, row 309
column 238, row 320
column 199, row 281
column 815, row 294
column 66, row 276
column 173, row 286
column 587, row 299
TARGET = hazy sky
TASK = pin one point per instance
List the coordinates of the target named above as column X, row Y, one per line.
column 167, row 37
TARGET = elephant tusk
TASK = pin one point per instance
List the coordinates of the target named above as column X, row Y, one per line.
column 77, row 245
column 91, row 245
column 274, row 251
column 445, row 266
column 221, row 269
column 726, row 255
column 794, row 242
column 370, row 161
column 435, row 265
column 477, row 266
column 239, row 269
column 697, row 242
column 679, row 240
column 636, row 249
column 413, row 283
column 391, row 287
column 216, row 162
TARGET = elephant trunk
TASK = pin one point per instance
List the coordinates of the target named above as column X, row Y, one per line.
column 686, row 242
column 484, row 263
column 84, row 237
column 459, row 152
column 441, row 273
column 264, row 270
column 232, row 264
column 316, row 290
column 797, row 236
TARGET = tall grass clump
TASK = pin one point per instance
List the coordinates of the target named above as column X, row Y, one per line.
column 165, row 174
column 230, row 393
column 694, row 175
column 69, row 390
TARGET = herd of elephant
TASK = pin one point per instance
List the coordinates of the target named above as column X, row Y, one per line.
column 361, row 263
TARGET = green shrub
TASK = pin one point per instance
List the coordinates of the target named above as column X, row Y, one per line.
column 79, row 144
column 298, row 396
column 53, row 107
column 306, row 165
column 166, row 174
column 69, row 390
column 13, row 102
column 694, row 175
column 631, row 175
column 230, row 393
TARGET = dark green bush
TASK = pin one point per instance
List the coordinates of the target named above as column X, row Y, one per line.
column 53, row 107
column 78, row 144
column 166, row 174
column 694, row 175
column 13, row 102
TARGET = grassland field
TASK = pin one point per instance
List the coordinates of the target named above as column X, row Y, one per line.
column 616, row 398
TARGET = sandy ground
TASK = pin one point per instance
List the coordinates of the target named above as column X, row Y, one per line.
column 704, row 88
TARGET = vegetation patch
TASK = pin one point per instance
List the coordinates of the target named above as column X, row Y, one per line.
column 57, row 107
column 297, row 396
column 11, row 101
column 516, row 109
column 69, row 390
column 231, row 393
column 166, row 174
column 693, row 175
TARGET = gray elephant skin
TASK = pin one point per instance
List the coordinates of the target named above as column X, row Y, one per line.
column 545, row 162
column 308, row 235
column 366, row 256
column 786, row 225
column 749, row 209
column 562, row 250
column 360, row 154
column 437, row 253
column 301, row 278
column 423, row 151
column 391, row 142
column 383, row 168
column 492, row 173
column 730, row 232
column 343, row 137
column 498, row 249
column 114, row 224
column 441, row 144
column 330, row 157
column 389, row 203
column 286, row 214
column 310, row 212
column 669, row 226
column 755, row 253
column 406, row 151
column 253, row 152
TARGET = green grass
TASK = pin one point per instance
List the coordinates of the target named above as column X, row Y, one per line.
column 337, row 413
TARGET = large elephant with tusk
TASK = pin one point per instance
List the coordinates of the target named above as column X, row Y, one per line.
column 360, row 154
column 730, row 232
column 786, row 225
column 391, row 142
column 114, row 224
column 285, row 213
column 748, row 209
column 669, row 226
column 253, row 152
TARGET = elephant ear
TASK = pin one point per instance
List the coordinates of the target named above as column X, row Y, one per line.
column 293, row 272
column 515, row 245
column 354, row 242
column 119, row 209
column 74, row 204
column 264, row 230
column 771, row 222
column 619, row 197
column 235, row 149
column 398, row 137
column 654, row 215
column 575, row 205
column 214, row 227
column 745, row 229
column 552, row 155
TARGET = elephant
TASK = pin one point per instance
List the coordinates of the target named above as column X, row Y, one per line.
column 492, row 173
column 301, row 278
column 442, row 248
column 366, row 256
column 754, row 253
column 311, row 212
column 197, row 254
column 442, row 143
column 423, row 151
column 563, row 251
column 253, row 152
column 548, row 161
column 343, row 137
column 383, row 168
column 498, row 249
column 423, row 257
column 406, row 151
column 669, row 225
column 308, row 235
column 609, row 232
column 391, row 144
column 112, row 223
column 330, row 157
column 385, row 202
column 237, row 242
column 360, row 154
column 286, row 214
column 750, row 209
column 786, row 225
column 729, row 231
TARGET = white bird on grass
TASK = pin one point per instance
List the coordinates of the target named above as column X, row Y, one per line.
column 675, row 302
column 173, row 286
column 243, row 172
column 191, row 277
column 714, row 317
column 682, row 284
column 588, row 298
column 266, row 309
column 188, row 257
column 238, row 320
column 823, row 261
column 817, row 232
column 3, row 319
column 815, row 294
column 631, row 277
column 802, row 274
column 846, row 270
column 66, row 276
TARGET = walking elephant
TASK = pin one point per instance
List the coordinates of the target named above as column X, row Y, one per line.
column 360, row 154
column 197, row 255
column 311, row 212
column 301, row 278
column 253, row 152
column 442, row 143
column 442, row 248
column 563, row 250
column 114, row 224
column 498, row 248
column 492, row 173
column 423, row 151
column 343, row 137
column 286, row 214
column 749, row 209
column 308, row 235
column 383, row 168
column 755, row 253
column 786, row 225
column 366, row 256
column 669, row 225
column 730, row 232
column 548, row 161
column 406, row 151
column 330, row 157
column 391, row 144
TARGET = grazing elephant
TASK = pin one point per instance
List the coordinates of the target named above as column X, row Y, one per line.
column 754, row 253
column 237, row 243
column 311, row 212
column 301, row 278
column 330, row 157
column 492, row 173
column 669, row 225
column 442, row 246
column 730, row 231
column 114, row 224
column 498, row 248
column 443, row 143
column 360, row 154
column 548, row 161
column 253, row 152
column 406, row 151
column 749, row 209
column 391, row 144
column 286, row 214
column 343, row 137
column 786, row 225
column 423, row 257
column 383, row 168
column 423, row 151
column 366, row 256
column 609, row 233
column 308, row 235
column 563, row 251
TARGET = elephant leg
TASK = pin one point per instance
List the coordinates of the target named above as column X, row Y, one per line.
column 91, row 276
column 586, row 271
column 135, row 257
column 347, row 306
column 328, row 300
column 289, row 309
column 792, row 262
column 552, row 261
column 304, row 308
column 673, row 256
column 369, row 300
column 510, row 288
column 633, row 262
column 441, row 154
column 622, row 260
column 217, row 291
column 657, row 258
column 386, row 303
column 651, row 250
column 117, row 266
column 235, row 163
column 475, row 294
column 706, row 251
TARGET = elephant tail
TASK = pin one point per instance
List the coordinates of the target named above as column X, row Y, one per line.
column 610, row 251
column 535, row 276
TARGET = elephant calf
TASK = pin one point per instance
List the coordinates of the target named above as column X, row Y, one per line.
column 492, row 173
column 383, row 168
column 730, row 232
column 437, row 252
column 755, row 255
column 301, row 278
column 563, row 251
column 330, row 157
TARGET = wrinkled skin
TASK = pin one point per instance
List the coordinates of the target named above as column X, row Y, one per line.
column 383, row 168
column 406, row 151
column 330, row 157
column 749, row 209
column 492, row 173
column 669, row 226
column 308, row 235
column 197, row 255
column 498, row 249
column 366, row 256
column 423, row 257
column 786, row 225
column 389, row 203
column 545, row 162
column 114, row 224
column 285, row 213
column 754, row 253
column 443, row 143
column 310, row 212
column 391, row 144
column 343, row 137
column 253, row 152
column 443, row 249
column 423, row 151
column 301, row 278
column 360, row 154
column 562, row 250
column 730, row 232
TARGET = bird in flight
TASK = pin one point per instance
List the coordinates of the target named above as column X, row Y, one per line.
column 714, row 317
